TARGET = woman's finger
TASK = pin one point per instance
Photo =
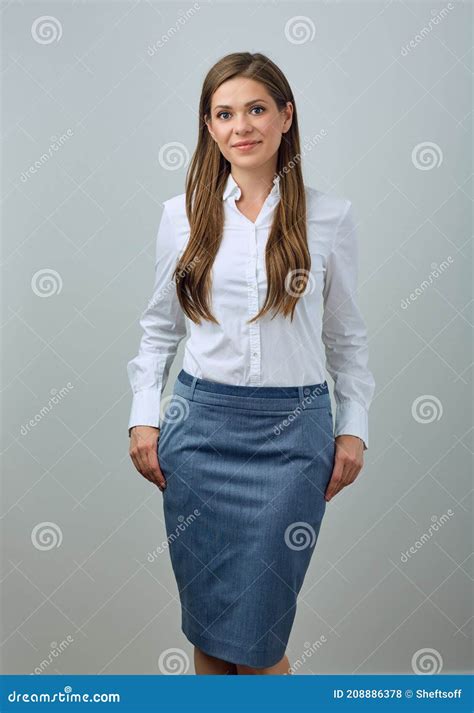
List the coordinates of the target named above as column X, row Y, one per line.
column 139, row 465
column 336, row 476
column 153, row 468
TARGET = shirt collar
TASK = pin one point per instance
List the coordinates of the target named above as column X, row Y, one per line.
column 233, row 189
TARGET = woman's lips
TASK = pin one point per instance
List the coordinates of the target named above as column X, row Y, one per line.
column 247, row 147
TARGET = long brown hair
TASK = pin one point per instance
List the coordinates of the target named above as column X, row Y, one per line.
column 287, row 257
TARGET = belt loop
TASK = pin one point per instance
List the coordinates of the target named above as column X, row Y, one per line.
column 300, row 394
column 193, row 386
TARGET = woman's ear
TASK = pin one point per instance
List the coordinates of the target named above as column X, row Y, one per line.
column 207, row 122
column 289, row 117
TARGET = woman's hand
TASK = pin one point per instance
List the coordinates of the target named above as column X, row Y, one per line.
column 348, row 462
column 143, row 452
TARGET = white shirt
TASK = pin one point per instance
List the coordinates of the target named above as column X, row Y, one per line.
column 327, row 323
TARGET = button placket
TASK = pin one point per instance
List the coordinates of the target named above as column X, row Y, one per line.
column 254, row 328
column 255, row 369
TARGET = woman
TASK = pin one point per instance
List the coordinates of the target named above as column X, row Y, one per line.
column 262, row 271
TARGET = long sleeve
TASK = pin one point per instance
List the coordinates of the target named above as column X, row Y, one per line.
column 344, row 334
column 163, row 324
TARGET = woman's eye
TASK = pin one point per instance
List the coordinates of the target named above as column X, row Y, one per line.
column 220, row 115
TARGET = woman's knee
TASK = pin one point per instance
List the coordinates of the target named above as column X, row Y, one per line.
column 249, row 670
column 212, row 663
column 282, row 667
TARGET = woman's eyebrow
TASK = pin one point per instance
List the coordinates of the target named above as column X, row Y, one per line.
column 227, row 106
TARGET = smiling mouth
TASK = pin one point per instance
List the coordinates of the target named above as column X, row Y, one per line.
column 249, row 145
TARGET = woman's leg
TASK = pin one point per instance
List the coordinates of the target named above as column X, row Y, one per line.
column 205, row 664
column 282, row 667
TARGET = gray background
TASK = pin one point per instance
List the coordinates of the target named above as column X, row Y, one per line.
column 88, row 217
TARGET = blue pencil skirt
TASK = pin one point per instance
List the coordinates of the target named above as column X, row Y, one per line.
column 246, row 468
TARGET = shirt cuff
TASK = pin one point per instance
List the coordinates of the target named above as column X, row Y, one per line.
column 352, row 419
column 145, row 409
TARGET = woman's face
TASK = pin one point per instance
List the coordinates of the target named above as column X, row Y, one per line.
column 243, row 110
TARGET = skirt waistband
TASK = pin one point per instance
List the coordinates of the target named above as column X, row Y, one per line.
column 252, row 397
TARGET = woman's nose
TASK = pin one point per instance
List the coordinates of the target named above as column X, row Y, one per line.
column 242, row 124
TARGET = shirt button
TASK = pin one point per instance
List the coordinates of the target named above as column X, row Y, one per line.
column 307, row 392
column 255, row 353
